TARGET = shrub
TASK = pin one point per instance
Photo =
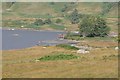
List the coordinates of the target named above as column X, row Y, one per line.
column 74, row 38
column 58, row 21
column 60, row 56
column 75, row 17
column 93, row 26
column 48, row 21
column 64, row 8
column 39, row 22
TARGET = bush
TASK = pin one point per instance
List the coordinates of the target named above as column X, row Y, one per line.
column 118, row 39
column 39, row 22
column 47, row 21
column 67, row 46
column 91, row 26
column 75, row 17
column 64, row 8
column 74, row 38
column 58, row 21
column 60, row 56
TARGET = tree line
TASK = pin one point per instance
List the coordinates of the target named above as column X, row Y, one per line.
column 89, row 25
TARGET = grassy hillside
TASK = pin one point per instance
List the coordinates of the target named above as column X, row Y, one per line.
column 28, row 12
column 99, row 63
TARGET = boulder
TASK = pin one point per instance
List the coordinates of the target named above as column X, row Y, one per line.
column 44, row 47
column 82, row 51
column 37, row 60
column 116, row 48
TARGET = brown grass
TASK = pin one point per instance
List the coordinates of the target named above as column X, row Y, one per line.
column 89, row 8
column 21, row 64
column 113, row 24
column 98, row 43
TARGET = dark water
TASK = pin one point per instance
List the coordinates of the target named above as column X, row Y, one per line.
column 18, row 39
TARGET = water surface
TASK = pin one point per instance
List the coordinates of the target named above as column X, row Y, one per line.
column 19, row 39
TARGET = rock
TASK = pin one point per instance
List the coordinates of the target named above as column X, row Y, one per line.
column 37, row 60
column 105, row 47
column 73, row 45
column 116, row 48
column 44, row 47
column 22, row 26
column 86, row 51
column 84, row 47
column 12, row 29
column 8, row 9
column 82, row 51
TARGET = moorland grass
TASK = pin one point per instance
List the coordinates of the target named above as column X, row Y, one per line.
column 20, row 64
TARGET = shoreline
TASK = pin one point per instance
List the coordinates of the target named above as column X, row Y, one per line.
column 29, row 29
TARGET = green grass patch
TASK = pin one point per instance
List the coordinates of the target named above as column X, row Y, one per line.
column 35, row 15
column 13, row 23
column 67, row 46
column 73, row 37
column 100, row 38
column 60, row 56
column 58, row 27
column 33, row 26
column 57, row 6
column 77, row 37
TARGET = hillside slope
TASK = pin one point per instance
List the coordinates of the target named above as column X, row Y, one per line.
column 44, row 10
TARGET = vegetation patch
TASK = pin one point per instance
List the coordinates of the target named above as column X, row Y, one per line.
column 58, row 27
column 92, row 26
column 74, row 37
column 67, row 46
column 60, row 56
column 35, row 15
column 33, row 26
column 13, row 23
column 78, row 37
column 105, row 57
